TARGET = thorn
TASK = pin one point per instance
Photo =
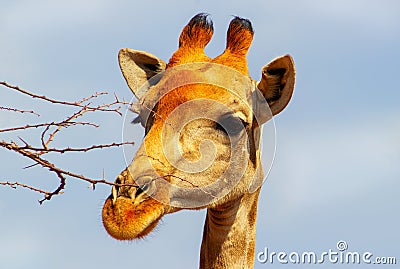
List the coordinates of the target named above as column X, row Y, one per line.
column 29, row 166
column 92, row 186
column 26, row 144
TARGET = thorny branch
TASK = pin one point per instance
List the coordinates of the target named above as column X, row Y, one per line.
column 104, row 107
column 50, row 130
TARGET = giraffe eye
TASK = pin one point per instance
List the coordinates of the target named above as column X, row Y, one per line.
column 231, row 125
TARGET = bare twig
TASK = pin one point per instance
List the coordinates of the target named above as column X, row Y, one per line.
column 13, row 146
column 76, row 115
column 19, row 110
column 61, row 123
column 14, row 185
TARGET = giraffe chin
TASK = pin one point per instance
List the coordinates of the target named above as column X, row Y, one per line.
column 125, row 220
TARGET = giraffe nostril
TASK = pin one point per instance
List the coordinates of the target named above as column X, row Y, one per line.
column 148, row 187
column 139, row 191
column 143, row 189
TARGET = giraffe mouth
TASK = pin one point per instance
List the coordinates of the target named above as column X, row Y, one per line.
column 127, row 219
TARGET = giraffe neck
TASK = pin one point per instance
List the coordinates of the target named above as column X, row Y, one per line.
column 229, row 234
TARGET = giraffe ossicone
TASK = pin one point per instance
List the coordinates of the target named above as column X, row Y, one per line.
column 202, row 120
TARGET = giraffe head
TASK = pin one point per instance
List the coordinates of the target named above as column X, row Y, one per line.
column 202, row 119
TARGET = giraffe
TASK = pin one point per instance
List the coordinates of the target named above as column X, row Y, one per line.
column 201, row 149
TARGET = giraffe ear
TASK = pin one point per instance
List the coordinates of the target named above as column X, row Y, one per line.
column 138, row 67
column 277, row 83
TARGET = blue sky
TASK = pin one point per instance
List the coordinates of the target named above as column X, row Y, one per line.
column 336, row 173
